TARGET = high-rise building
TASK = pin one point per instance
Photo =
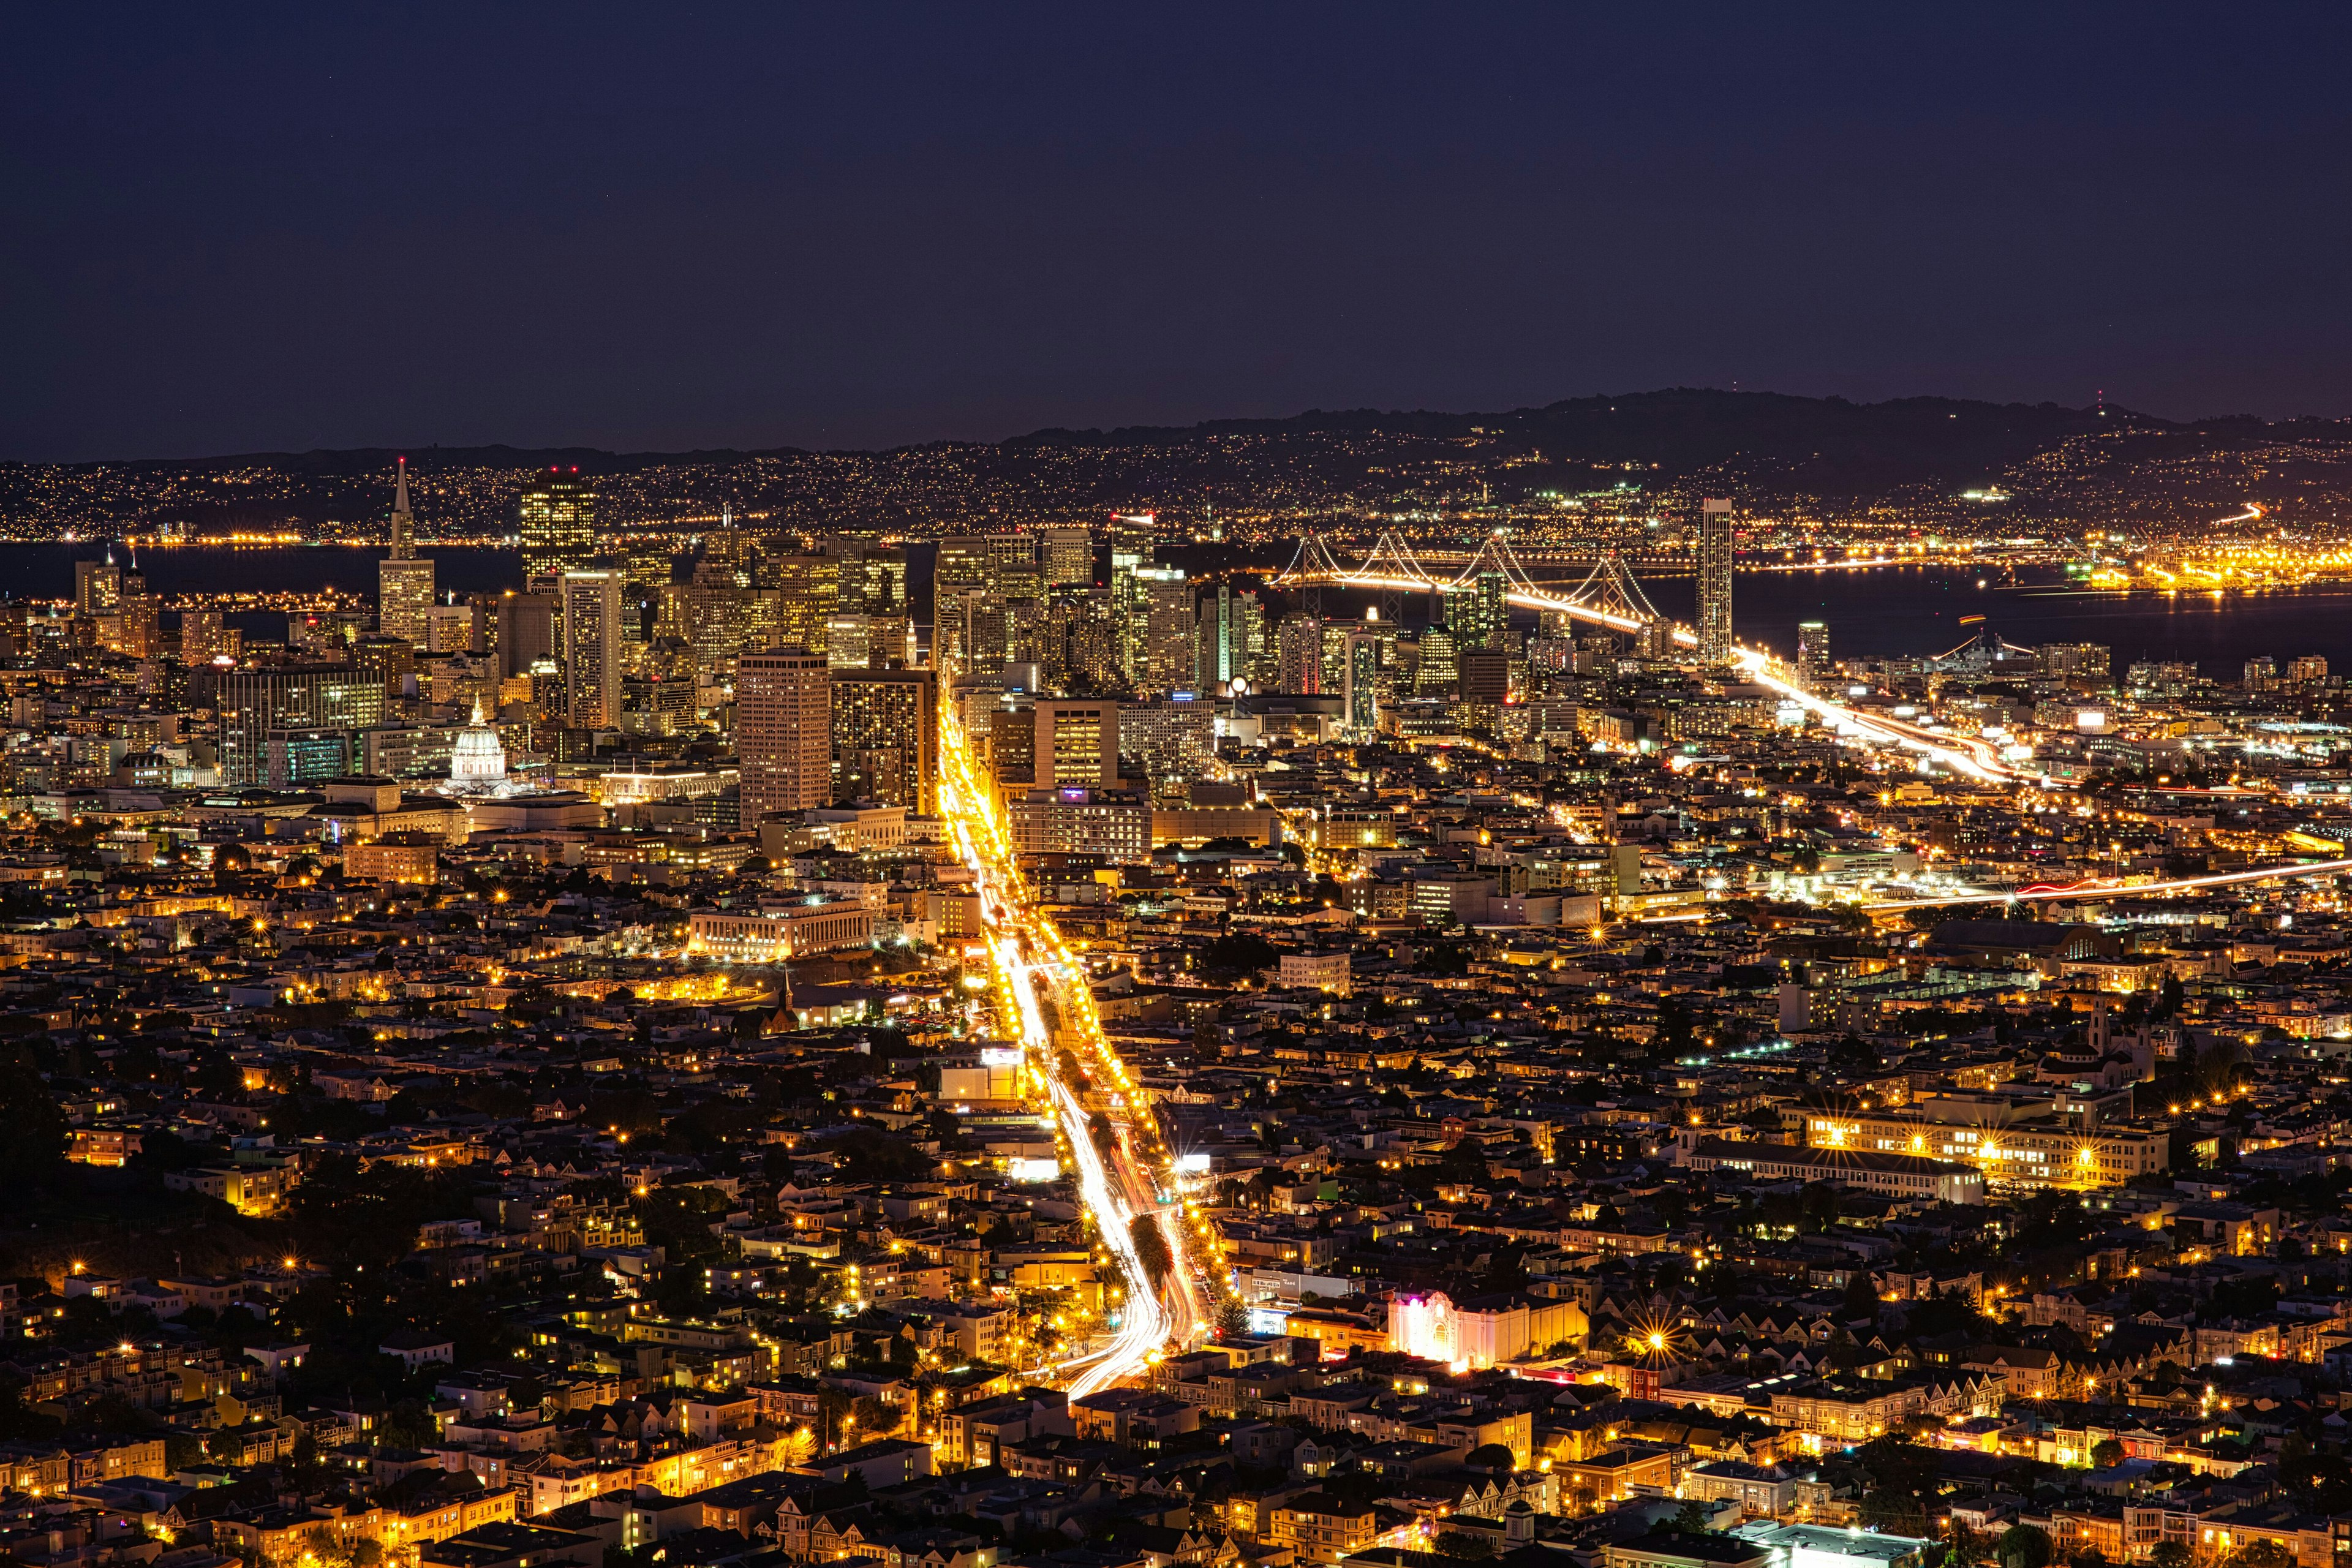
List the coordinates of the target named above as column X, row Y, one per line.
column 404, row 580
column 200, row 636
column 559, row 525
column 1067, row 556
column 729, row 549
column 1360, row 692
column 526, row 633
column 1077, row 742
column 1713, row 582
column 1299, row 661
column 886, row 736
column 1166, row 662
column 97, row 586
column 594, row 655
column 139, row 616
column 783, row 731
column 1813, row 652
column 808, row 589
column 1439, row 669
column 871, row 578
column 292, row 700
column 959, row 579
column 721, row 611
column 1128, row 554
column 1479, row 616
column 1223, row 641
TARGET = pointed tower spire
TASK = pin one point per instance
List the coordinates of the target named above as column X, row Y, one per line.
column 403, row 526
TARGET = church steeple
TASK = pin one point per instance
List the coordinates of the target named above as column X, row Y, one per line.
column 403, row 526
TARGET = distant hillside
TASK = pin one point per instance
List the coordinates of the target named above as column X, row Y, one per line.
column 1815, row 457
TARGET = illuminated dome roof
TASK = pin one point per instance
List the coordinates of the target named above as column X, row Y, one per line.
column 478, row 765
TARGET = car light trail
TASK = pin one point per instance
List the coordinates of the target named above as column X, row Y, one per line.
column 2126, row 890
column 1028, row 953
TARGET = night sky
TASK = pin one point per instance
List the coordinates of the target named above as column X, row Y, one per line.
column 234, row 228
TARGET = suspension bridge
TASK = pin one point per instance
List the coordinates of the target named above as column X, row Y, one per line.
column 1609, row 596
column 1612, row 596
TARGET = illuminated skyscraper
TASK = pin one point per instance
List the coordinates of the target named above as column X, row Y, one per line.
column 404, row 580
column 559, row 525
column 1224, row 644
column 783, row 731
column 808, row 589
column 202, row 638
column 593, row 654
column 1713, row 582
column 886, row 736
column 1360, row 692
column 1298, row 662
column 1166, row 663
column 1812, row 651
column 1479, row 618
column 1067, row 556
column 97, row 585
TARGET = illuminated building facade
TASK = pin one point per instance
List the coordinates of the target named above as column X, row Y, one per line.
column 559, row 525
column 1713, row 582
column 783, row 731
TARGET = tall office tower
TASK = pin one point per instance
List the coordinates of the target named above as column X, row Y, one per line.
column 1127, row 606
column 1067, row 557
column 852, row 641
column 97, row 586
column 592, row 651
column 1258, row 659
column 1224, row 643
column 722, row 612
column 1012, row 566
column 959, row 573
column 202, row 639
column 1165, row 663
column 526, row 631
column 871, row 578
column 1299, row 656
column 1077, row 742
column 1813, row 652
column 729, row 549
column 291, row 705
column 808, row 594
column 674, row 613
column 886, row 736
column 1360, row 688
column 1440, row 668
column 1713, row 582
column 1479, row 618
column 1024, row 631
column 559, row 525
column 139, row 617
column 404, row 579
column 1081, row 651
column 783, row 731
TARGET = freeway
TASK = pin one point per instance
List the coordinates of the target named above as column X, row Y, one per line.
column 1042, row 990
column 1976, row 758
column 2103, row 890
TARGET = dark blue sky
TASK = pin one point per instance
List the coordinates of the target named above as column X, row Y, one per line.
column 231, row 229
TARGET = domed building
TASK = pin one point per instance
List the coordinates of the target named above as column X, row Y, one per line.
column 478, row 764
